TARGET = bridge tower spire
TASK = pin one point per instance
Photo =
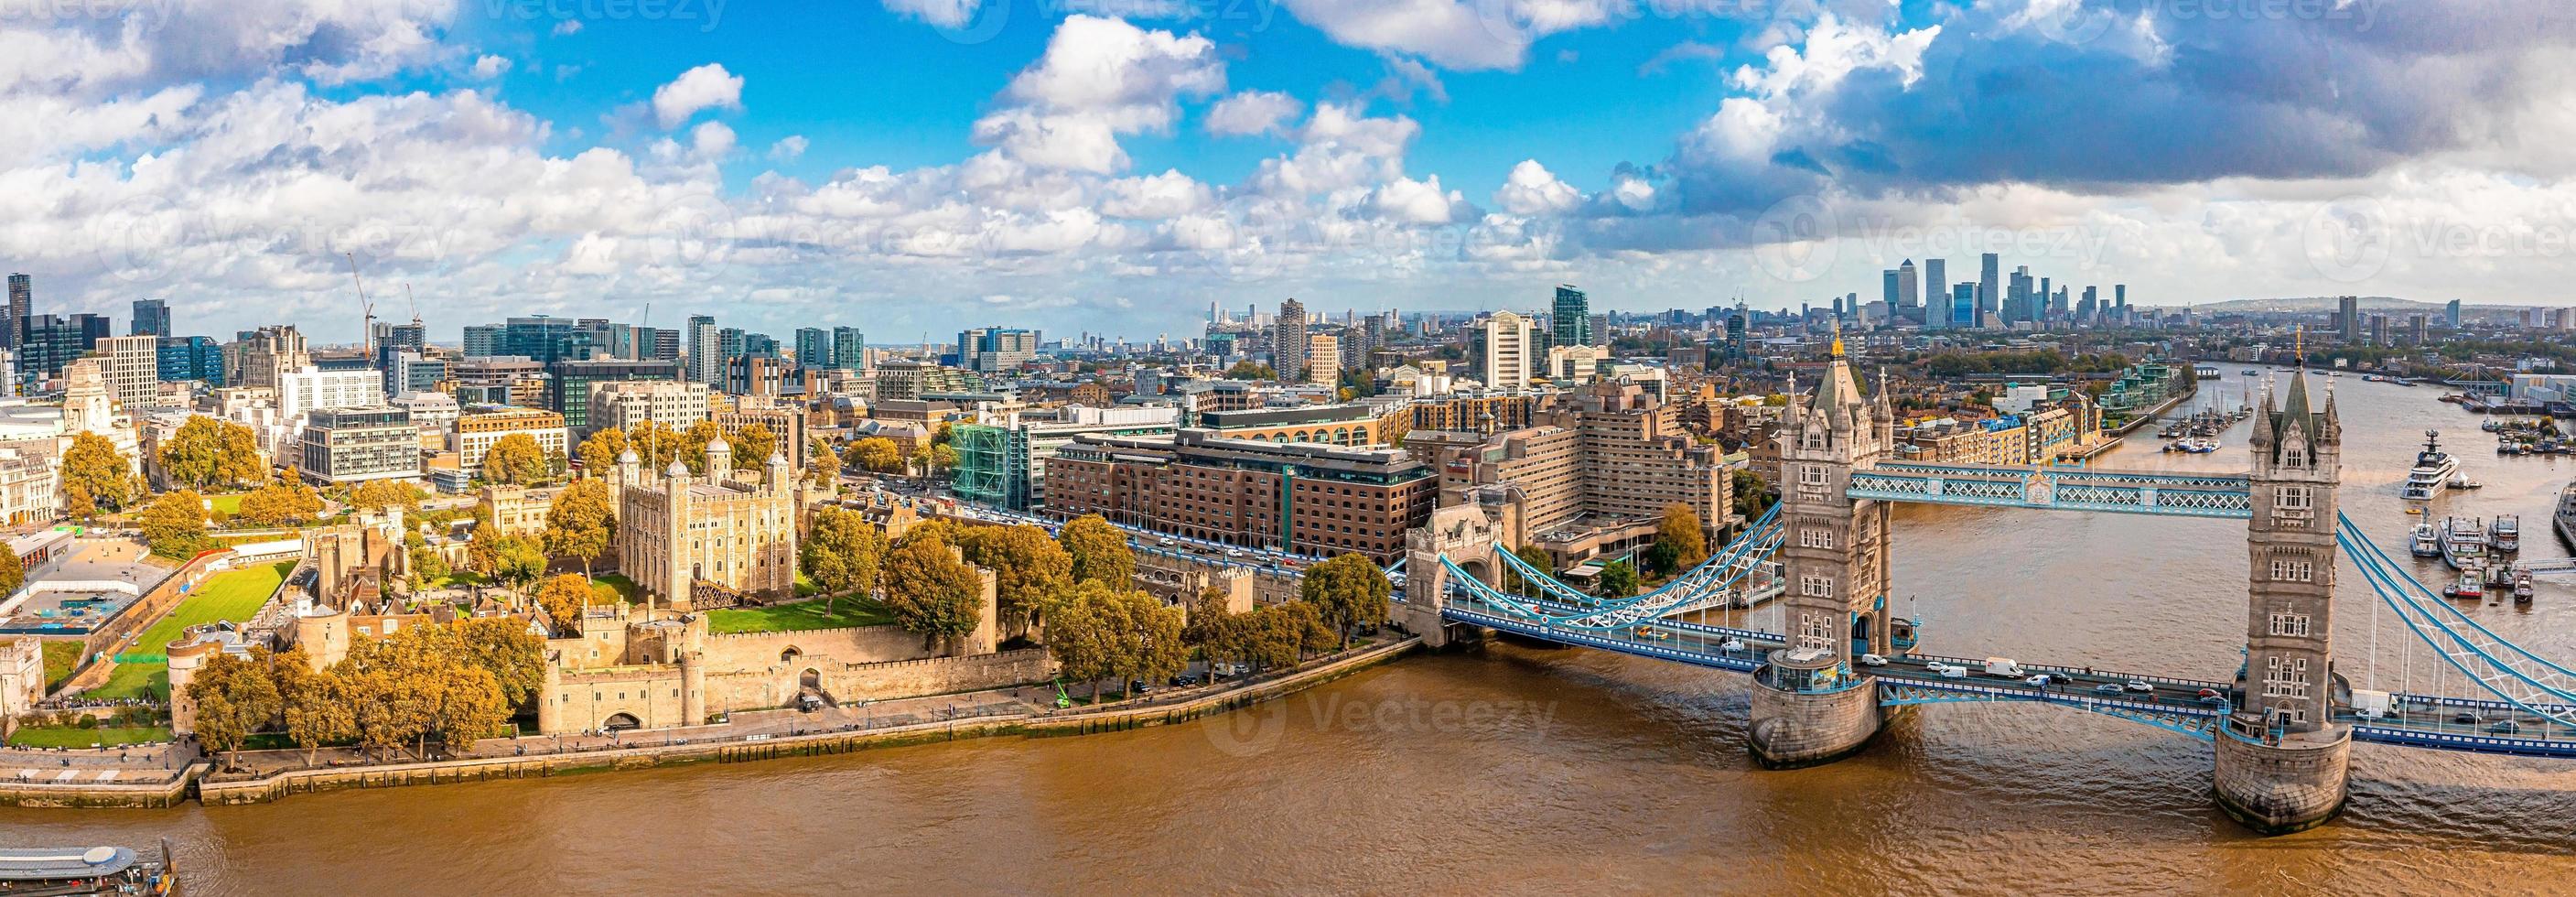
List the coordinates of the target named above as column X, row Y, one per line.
column 1809, row 706
column 2281, row 755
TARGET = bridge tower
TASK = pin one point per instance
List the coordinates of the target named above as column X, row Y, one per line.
column 1809, row 706
column 1461, row 532
column 2281, row 755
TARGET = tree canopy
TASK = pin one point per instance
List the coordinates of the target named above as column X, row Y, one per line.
column 212, row 453
column 1681, row 540
column 96, row 477
column 842, row 553
column 280, row 504
column 1099, row 550
column 875, row 454
column 581, row 523
column 514, row 459
column 1028, row 566
column 377, row 495
column 599, row 453
column 931, row 592
column 175, row 524
column 752, row 446
column 514, row 561
column 1099, row 631
column 1348, row 591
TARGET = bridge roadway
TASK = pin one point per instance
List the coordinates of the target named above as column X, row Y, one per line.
column 2174, row 704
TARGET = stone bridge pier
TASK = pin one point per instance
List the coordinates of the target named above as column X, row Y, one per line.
column 1467, row 537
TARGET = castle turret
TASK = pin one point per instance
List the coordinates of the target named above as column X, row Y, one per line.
column 549, row 702
column 693, row 689
column 719, row 460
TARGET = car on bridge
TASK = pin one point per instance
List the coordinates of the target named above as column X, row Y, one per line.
column 2505, row 727
column 2211, row 696
column 2109, row 688
column 2040, row 680
column 2138, row 685
column 1733, row 644
column 1871, row 660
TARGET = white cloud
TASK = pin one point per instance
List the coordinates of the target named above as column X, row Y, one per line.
column 1420, row 202
column 943, row 13
column 567, row 28
column 711, row 140
column 1531, row 189
column 1457, row 34
column 1252, row 112
column 489, row 67
column 1167, row 195
column 706, row 87
column 1099, row 79
column 788, row 148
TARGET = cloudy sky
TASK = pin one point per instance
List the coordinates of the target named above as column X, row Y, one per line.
column 916, row 166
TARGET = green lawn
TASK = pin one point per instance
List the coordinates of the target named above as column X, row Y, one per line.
column 62, row 656
column 76, row 737
column 805, row 587
column 233, row 595
column 135, row 680
column 797, row 617
column 457, row 580
column 228, row 504
column 616, row 587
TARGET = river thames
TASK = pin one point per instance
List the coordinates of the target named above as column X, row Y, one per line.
column 1509, row 769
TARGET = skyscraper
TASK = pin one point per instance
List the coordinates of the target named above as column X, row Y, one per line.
column 1990, row 285
column 1887, row 287
column 813, row 347
column 1510, row 346
column 1909, row 289
column 1936, row 292
column 22, row 302
column 151, row 318
column 1571, row 318
column 2348, row 318
column 849, row 348
column 1963, row 305
column 1288, row 344
column 2451, row 314
column 706, row 358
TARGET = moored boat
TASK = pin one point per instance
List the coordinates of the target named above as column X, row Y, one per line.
column 2464, row 543
column 2564, row 518
column 85, row 871
column 2433, row 468
column 2505, row 533
column 2470, row 585
column 2426, row 543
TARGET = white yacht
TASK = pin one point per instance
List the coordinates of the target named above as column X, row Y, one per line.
column 2433, row 470
column 2427, row 543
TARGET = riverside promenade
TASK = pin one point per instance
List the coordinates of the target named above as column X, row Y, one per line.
column 261, row 776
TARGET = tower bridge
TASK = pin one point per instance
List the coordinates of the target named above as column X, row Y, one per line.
column 2282, row 727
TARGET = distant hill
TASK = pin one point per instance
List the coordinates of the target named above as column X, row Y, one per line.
column 2316, row 304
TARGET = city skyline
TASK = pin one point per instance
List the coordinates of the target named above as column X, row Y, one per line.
column 1099, row 172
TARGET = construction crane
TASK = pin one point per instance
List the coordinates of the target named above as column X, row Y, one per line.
column 366, row 307
column 415, row 307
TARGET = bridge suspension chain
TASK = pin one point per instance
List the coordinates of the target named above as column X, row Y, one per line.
column 2477, row 654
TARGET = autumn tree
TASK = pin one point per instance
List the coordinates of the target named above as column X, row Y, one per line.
column 175, row 524
column 212, row 453
column 693, row 445
column 1027, row 565
column 599, row 452
column 377, row 495
column 1099, row 551
column 930, row 591
column 235, row 699
column 1618, row 580
column 316, row 707
column 1347, row 591
column 280, row 504
column 655, row 443
column 13, row 573
column 581, row 522
column 823, row 466
column 842, row 553
column 752, row 446
column 98, row 475
column 513, row 561
column 513, row 655
column 875, row 454
column 1679, row 535
column 421, row 684
column 563, row 597
column 514, row 459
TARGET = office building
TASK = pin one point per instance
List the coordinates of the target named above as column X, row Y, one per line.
column 151, row 318
column 22, row 305
column 132, row 366
column 813, row 347
column 623, row 404
column 260, row 357
column 1963, row 305
column 1323, row 359
column 476, row 431
column 350, row 445
column 849, row 349
column 2451, row 314
column 1002, row 458
column 1288, row 342
column 1990, row 285
column 196, row 358
column 1331, row 499
column 1510, row 351
column 1909, row 291
column 706, row 356
column 482, row 340
column 993, row 350
column 47, row 342
column 1570, row 319
column 1590, row 479
column 311, row 389
column 568, row 390
column 2348, row 318
column 1936, row 293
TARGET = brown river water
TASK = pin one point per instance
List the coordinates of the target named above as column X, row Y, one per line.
column 1511, row 769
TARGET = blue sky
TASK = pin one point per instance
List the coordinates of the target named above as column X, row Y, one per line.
column 915, row 166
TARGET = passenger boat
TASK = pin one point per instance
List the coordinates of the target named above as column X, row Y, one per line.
column 2522, row 587
column 2564, row 519
column 85, row 872
column 2464, row 543
column 2433, row 468
column 2469, row 585
column 2427, row 543
column 2505, row 534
